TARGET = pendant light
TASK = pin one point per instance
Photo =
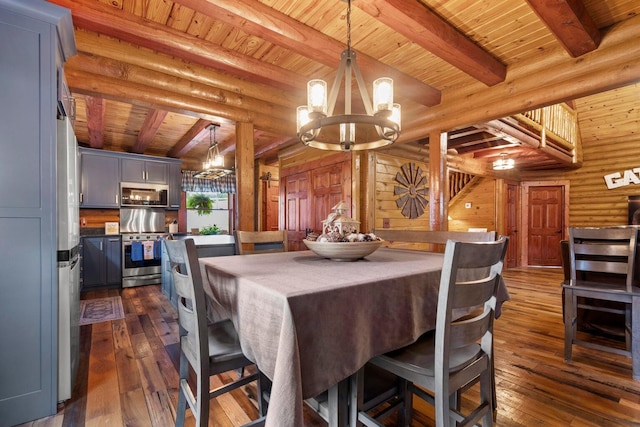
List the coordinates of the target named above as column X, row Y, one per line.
column 503, row 163
column 380, row 126
column 213, row 166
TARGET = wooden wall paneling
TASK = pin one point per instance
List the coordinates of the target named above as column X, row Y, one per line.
column 95, row 218
column 367, row 213
column 481, row 214
column 385, row 206
column 605, row 123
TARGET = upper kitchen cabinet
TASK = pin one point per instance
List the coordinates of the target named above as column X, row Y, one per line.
column 175, row 185
column 149, row 171
column 37, row 38
column 99, row 179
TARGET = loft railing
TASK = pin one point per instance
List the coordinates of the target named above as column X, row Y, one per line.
column 556, row 127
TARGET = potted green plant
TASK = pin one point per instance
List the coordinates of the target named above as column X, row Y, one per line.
column 210, row 229
column 201, row 202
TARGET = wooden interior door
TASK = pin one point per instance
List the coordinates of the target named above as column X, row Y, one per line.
column 545, row 218
column 297, row 209
column 328, row 191
column 512, row 224
column 270, row 193
column 309, row 196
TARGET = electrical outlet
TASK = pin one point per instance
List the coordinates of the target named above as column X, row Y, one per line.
column 83, row 221
column 467, row 205
column 386, row 223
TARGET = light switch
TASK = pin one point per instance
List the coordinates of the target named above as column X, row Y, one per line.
column 467, row 205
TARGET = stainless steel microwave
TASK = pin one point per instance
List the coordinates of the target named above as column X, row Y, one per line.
column 141, row 194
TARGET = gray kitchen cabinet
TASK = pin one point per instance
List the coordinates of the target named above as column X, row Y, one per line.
column 37, row 38
column 99, row 179
column 101, row 265
column 175, row 185
column 138, row 170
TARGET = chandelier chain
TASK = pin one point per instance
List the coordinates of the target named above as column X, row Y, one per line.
column 214, row 137
column 348, row 25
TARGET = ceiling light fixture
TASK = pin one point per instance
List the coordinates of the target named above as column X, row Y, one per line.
column 383, row 115
column 213, row 167
column 503, row 163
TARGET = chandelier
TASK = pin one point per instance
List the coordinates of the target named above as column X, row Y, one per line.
column 213, row 166
column 503, row 163
column 380, row 125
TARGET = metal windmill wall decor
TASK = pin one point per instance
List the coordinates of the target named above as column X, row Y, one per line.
column 412, row 192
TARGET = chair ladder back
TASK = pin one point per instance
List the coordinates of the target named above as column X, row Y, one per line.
column 603, row 250
column 477, row 268
column 192, row 317
column 470, row 274
column 250, row 242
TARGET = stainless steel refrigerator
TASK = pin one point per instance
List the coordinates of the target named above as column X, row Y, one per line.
column 68, row 258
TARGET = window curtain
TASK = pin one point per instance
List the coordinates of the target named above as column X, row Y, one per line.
column 225, row 184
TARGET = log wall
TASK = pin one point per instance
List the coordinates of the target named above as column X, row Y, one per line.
column 387, row 213
column 482, row 210
column 610, row 143
column 482, row 197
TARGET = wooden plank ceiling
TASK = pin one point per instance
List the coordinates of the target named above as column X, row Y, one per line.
column 150, row 75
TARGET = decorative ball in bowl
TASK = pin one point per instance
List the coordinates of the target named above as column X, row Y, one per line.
column 343, row 251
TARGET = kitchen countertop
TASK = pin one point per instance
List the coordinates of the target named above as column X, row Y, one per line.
column 207, row 240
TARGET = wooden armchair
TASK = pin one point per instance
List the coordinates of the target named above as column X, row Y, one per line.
column 607, row 256
column 253, row 242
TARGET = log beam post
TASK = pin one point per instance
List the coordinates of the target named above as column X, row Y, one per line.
column 438, row 182
column 245, row 177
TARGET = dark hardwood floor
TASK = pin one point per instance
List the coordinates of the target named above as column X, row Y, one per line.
column 128, row 371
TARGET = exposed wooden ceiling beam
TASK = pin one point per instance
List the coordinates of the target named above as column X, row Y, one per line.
column 95, row 120
column 539, row 81
column 149, row 129
column 423, row 27
column 259, row 19
column 189, row 139
column 570, row 22
column 116, row 23
column 98, row 45
column 151, row 97
column 181, row 87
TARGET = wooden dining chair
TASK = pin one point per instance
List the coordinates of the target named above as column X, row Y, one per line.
column 460, row 350
column 253, row 242
column 602, row 264
column 209, row 348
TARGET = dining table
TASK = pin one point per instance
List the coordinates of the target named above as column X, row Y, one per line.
column 309, row 323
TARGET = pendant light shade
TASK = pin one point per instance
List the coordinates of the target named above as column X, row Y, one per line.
column 503, row 163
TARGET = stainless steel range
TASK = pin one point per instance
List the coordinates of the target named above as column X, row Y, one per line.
column 142, row 232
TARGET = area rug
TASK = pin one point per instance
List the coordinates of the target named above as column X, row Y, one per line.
column 100, row 310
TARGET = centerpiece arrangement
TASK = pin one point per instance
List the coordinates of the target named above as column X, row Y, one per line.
column 340, row 239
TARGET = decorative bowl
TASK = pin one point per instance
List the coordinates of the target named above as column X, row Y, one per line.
column 343, row 251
